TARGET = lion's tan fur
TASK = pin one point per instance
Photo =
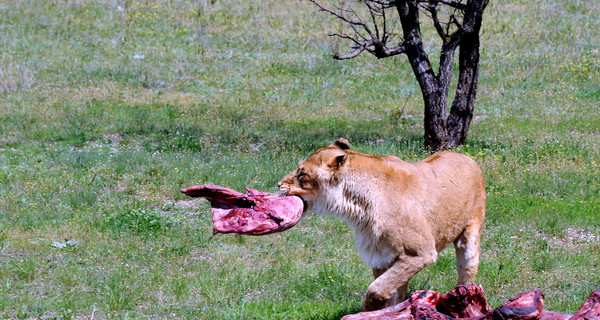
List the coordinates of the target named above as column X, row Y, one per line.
column 403, row 214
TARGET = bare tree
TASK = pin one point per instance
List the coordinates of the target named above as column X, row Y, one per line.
column 372, row 27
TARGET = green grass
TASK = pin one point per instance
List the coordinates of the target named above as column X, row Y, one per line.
column 107, row 108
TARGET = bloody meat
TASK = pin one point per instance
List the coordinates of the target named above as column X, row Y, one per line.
column 467, row 302
column 251, row 213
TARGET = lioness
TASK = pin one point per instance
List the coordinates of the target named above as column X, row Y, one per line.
column 403, row 214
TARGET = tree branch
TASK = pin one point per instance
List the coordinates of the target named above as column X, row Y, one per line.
column 386, row 34
column 343, row 18
column 345, row 36
column 453, row 4
column 432, row 9
column 354, row 53
column 402, row 48
column 363, row 37
column 455, row 21
column 373, row 47
column 385, row 4
column 372, row 13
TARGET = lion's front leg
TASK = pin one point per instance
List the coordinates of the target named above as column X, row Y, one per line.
column 390, row 285
column 400, row 293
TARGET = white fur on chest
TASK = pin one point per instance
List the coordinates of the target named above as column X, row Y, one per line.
column 337, row 203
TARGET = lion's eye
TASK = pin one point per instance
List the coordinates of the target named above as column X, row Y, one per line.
column 301, row 175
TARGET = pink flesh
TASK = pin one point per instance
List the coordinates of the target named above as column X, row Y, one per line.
column 253, row 213
column 467, row 302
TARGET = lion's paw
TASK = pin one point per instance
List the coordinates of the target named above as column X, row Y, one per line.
column 375, row 300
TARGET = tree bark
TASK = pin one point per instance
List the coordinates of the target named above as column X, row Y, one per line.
column 461, row 112
column 433, row 94
column 442, row 131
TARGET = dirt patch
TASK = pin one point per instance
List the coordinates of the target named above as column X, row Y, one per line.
column 575, row 239
column 580, row 235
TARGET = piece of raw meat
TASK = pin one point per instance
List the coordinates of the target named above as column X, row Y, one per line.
column 401, row 311
column 527, row 305
column 464, row 302
column 467, row 302
column 423, row 306
column 590, row 309
column 551, row 315
column 252, row 213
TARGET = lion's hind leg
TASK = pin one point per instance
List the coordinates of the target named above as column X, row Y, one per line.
column 467, row 248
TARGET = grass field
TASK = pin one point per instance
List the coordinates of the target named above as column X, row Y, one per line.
column 107, row 108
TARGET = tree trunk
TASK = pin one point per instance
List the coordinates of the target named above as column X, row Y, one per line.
column 435, row 126
column 461, row 112
column 434, row 96
column 447, row 133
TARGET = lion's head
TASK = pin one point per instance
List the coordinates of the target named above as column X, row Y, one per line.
column 321, row 169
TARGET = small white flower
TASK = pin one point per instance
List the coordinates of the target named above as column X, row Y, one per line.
column 138, row 56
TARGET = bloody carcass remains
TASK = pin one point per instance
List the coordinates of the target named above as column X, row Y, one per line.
column 468, row 302
column 252, row 213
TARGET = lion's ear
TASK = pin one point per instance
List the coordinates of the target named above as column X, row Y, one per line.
column 337, row 161
column 341, row 143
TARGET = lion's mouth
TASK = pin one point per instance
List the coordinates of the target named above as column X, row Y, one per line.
column 285, row 192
